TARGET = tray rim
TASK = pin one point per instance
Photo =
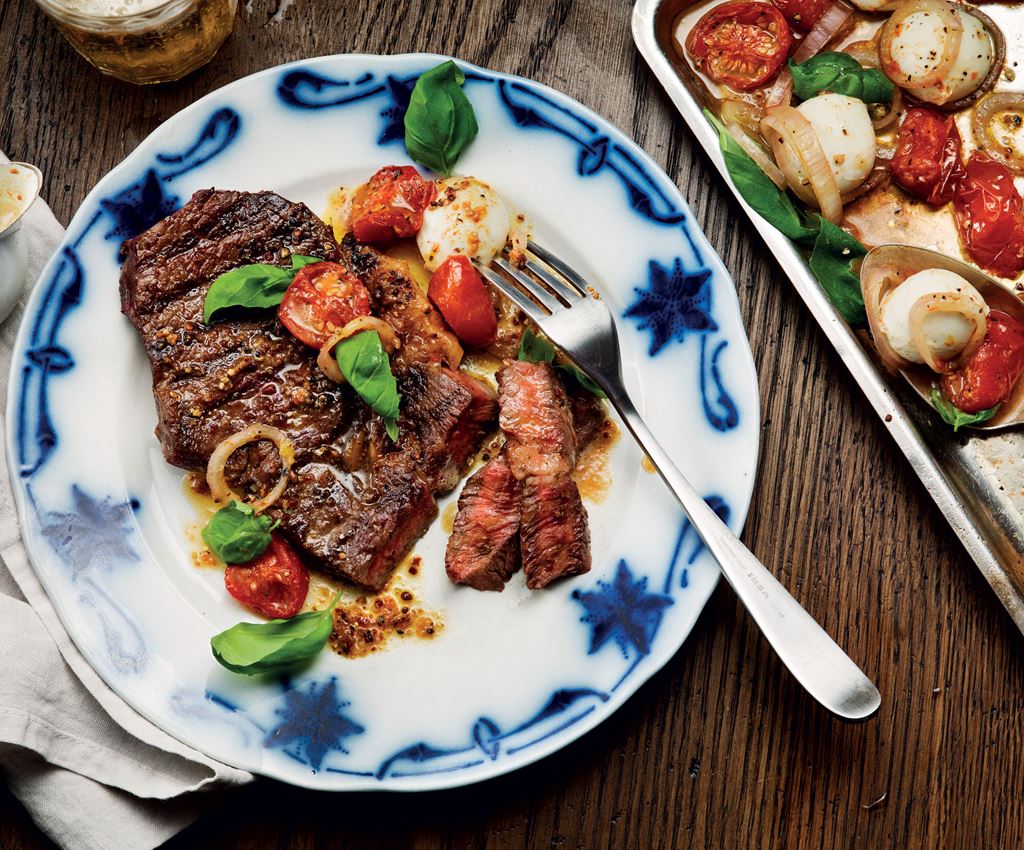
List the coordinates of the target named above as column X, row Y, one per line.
column 889, row 409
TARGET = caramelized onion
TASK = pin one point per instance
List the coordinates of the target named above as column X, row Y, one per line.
column 837, row 19
column 983, row 121
column 757, row 153
column 875, row 283
column 219, row 487
column 781, row 91
column 797, row 149
column 947, row 302
column 951, row 26
column 325, row 359
column 994, row 70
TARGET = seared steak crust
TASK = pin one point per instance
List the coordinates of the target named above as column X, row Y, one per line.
column 355, row 502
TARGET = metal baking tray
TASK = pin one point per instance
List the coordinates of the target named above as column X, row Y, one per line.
column 976, row 481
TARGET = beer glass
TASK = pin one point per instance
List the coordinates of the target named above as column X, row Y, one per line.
column 144, row 41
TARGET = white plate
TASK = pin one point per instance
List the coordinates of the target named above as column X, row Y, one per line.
column 513, row 675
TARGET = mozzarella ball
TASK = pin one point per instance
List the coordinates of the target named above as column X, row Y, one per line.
column 946, row 334
column 847, row 137
column 468, row 217
column 917, row 50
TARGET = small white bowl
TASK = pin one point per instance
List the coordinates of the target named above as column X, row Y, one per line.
column 20, row 184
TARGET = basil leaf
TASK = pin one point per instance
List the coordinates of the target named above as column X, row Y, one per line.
column 440, row 122
column 842, row 74
column 365, row 365
column 834, row 252
column 252, row 648
column 536, row 349
column 954, row 416
column 256, row 286
column 301, row 260
column 237, row 534
column 767, row 199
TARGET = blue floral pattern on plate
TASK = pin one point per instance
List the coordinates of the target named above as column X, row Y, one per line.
column 320, row 723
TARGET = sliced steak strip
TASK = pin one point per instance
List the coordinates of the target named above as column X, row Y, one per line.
column 536, row 420
column 554, row 532
column 483, row 550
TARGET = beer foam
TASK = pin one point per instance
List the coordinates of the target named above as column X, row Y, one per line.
column 110, row 8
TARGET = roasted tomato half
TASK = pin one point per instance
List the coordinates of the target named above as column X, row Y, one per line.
column 460, row 294
column 802, row 14
column 927, row 161
column 390, row 205
column 991, row 373
column 274, row 585
column 988, row 216
column 323, row 298
column 740, row 45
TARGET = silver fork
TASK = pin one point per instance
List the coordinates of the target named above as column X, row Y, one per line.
column 576, row 320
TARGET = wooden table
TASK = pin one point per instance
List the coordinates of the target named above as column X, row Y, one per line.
column 722, row 748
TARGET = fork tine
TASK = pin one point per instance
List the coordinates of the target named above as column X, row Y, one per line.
column 535, row 289
column 510, row 290
column 559, row 266
column 564, row 291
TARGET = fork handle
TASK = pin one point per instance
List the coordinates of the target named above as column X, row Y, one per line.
column 817, row 661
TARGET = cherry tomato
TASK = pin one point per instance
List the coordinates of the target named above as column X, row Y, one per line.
column 323, row 298
column 802, row 14
column 273, row 585
column 741, row 45
column 927, row 159
column 390, row 205
column 988, row 215
column 459, row 293
column 991, row 373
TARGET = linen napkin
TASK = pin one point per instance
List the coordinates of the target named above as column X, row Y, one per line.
column 92, row 773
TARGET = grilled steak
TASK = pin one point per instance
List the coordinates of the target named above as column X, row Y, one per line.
column 554, row 533
column 403, row 305
column 355, row 503
column 483, row 550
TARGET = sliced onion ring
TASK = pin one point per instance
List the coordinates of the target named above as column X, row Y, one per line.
column 325, row 359
column 781, row 91
column 219, row 487
column 994, row 70
column 982, row 125
column 947, row 302
column 875, row 284
column 757, row 153
column 797, row 148
column 951, row 26
column 836, row 20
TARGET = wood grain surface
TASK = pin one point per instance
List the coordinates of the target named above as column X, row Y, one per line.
column 721, row 749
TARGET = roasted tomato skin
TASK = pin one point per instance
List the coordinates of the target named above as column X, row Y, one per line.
column 927, row 162
column 740, row 45
column 273, row 585
column 390, row 205
column 990, row 375
column 988, row 211
column 458, row 291
column 323, row 298
column 802, row 14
